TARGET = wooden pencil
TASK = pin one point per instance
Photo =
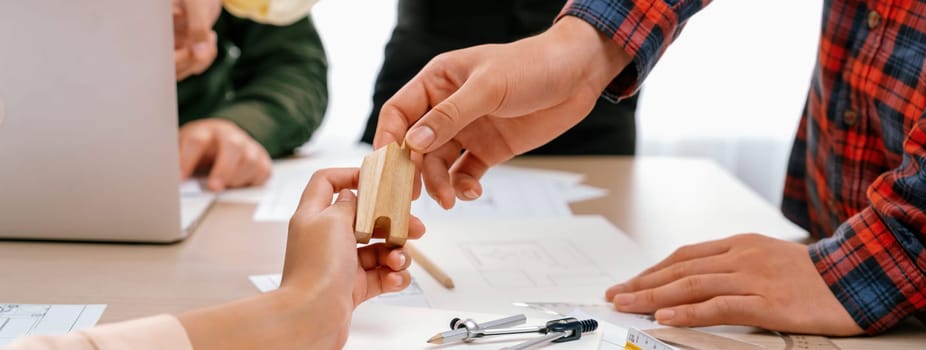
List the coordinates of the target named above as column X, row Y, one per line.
column 429, row 266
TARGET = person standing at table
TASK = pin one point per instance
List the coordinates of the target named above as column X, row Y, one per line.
column 427, row 28
column 856, row 176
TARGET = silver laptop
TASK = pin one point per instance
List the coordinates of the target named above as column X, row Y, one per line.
column 88, row 122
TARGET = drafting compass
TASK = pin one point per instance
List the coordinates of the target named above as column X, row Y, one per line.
column 555, row 331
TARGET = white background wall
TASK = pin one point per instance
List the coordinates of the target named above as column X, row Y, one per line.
column 730, row 89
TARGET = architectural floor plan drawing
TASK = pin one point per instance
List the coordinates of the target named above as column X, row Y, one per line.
column 17, row 320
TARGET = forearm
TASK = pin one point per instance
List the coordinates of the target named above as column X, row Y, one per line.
column 280, row 82
column 642, row 28
column 596, row 58
column 278, row 128
column 276, row 320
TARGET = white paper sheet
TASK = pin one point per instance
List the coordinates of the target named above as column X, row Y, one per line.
column 495, row 263
column 412, row 296
column 18, row 320
column 391, row 327
column 512, row 192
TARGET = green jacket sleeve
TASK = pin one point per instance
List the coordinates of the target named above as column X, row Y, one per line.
column 280, row 83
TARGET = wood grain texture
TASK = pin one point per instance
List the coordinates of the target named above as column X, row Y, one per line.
column 384, row 197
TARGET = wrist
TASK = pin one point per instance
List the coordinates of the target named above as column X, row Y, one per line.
column 284, row 318
column 296, row 309
column 597, row 59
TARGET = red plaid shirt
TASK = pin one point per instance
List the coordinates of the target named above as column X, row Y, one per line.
column 857, row 172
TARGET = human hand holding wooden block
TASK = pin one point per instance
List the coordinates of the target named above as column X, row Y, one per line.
column 384, row 195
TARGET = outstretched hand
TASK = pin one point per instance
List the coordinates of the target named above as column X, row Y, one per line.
column 470, row 109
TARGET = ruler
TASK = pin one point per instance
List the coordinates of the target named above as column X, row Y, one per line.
column 637, row 340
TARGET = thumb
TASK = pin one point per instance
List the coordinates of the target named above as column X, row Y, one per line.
column 345, row 204
column 443, row 122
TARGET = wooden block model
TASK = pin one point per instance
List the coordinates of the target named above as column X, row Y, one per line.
column 384, row 195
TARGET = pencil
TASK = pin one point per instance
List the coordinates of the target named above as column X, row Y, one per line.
column 429, row 266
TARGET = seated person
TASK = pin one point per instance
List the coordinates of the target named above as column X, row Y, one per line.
column 426, row 28
column 325, row 276
column 263, row 95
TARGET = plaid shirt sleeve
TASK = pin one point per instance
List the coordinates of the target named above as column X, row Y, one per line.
column 858, row 166
column 643, row 28
column 875, row 263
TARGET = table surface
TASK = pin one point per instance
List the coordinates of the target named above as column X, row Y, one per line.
column 662, row 203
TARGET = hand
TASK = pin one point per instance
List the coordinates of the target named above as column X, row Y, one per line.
column 321, row 242
column 195, row 44
column 497, row 101
column 748, row 279
column 235, row 157
column 325, row 276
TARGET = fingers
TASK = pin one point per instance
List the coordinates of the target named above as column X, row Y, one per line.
column 195, row 58
column 436, row 171
column 199, row 18
column 253, row 167
column 228, row 156
column 686, row 290
column 674, row 272
column 378, row 255
column 383, row 280
column 465, row 175
column 690, row 252
column 204, row 53
column 183, row 60
column 417, row 158
column 457, row 95
column 194, row 145
column 385, row 270
column 416, row 228
column 740, row 310
column 399, row 112
column 323, row 185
